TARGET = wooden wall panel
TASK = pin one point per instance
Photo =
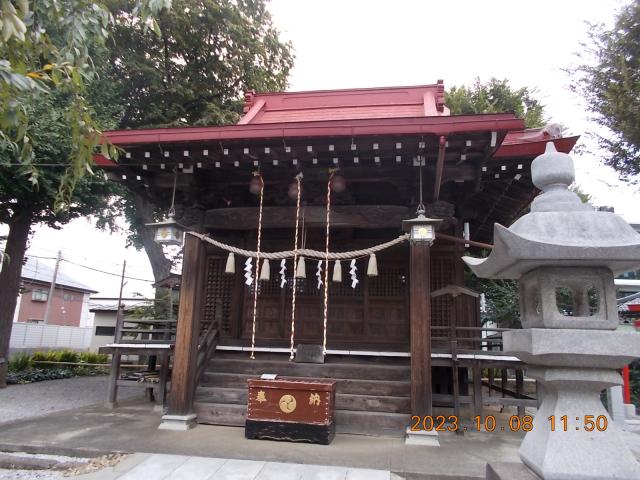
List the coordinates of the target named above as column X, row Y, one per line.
column 372, row 315
column 218, row 294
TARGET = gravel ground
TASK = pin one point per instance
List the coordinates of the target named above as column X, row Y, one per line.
column 30, row 475
column 62, row 466
column 41, row 398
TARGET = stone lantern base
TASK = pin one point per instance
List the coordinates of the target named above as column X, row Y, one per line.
column 573, row 436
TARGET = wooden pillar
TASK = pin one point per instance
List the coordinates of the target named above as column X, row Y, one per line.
column 420, row 321
column 519, row 389
column 477, row 388
column 187, row 328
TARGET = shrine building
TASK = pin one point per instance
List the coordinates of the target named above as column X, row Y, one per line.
column 401, row 336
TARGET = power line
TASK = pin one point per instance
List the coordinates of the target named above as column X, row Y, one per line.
column 94, row 269
column 83, row 258
column 108, row 273
column 42, row 258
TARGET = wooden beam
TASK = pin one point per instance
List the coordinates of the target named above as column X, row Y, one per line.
column 439, row 168
column 188, row 328
column 420, row 324
column 355, row 216
column 453, row 239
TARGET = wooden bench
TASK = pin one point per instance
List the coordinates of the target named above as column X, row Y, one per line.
column 150, row 337
column 156, row 350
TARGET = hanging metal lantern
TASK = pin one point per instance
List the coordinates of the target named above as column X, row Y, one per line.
column 168, row 232
column 421, row 228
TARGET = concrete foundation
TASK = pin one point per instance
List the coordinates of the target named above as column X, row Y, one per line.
column 178, row 422
column 509, row 471
column 422, row 437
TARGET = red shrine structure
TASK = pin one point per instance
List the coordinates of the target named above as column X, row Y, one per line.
column 398, row 343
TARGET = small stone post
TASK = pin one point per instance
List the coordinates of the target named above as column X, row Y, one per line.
column 565, row 255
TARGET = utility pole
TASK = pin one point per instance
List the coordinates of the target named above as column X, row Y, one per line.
column 52, row 288
column 112, row 393
column 120, row 310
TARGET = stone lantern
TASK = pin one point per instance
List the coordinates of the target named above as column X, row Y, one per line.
column 565, row 255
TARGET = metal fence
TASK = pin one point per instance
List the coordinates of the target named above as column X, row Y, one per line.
column 35, row 336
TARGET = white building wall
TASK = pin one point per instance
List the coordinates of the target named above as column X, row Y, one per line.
column 85, row 321
column 102, row 319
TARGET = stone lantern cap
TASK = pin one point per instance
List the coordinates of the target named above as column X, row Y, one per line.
column 560, row 231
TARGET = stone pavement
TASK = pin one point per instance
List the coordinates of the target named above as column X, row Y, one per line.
column 179, row 467
column 133, row 427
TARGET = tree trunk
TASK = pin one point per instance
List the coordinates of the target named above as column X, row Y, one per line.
column 160, row 265
column 19, row 228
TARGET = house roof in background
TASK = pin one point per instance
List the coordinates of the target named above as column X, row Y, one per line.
column 37, row 270
column 111, row 304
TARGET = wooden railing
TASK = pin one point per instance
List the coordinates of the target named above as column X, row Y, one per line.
column 146, row 330
column 471, row 338
column 207, row 343
column 467, row 348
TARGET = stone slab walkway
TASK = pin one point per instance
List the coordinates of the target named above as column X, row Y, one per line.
column 178, row 467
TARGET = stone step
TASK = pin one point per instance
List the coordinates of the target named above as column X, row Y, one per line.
column 370, row 403
column 347, row 386
column 354, row 422
column 356, row 370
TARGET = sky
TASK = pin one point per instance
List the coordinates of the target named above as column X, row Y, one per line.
column 352, row 43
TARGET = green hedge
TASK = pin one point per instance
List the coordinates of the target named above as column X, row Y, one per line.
column 24, row 369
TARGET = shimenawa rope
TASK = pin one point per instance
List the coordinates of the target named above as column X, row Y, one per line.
column 305, row 252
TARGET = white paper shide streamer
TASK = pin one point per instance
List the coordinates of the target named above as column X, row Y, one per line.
column 283, row 273
column 248, row 268
column 353, row 271
column 319, row 274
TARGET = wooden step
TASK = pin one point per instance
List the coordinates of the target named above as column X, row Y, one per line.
column 356, row 370
column 349, row 386
column 354, row 422
column 373, row 396
column 373, row 403
column 225, row 380
column 374, row 387
column 372, row 423
column 220, row 413
column 221, row 395
column 370, row 403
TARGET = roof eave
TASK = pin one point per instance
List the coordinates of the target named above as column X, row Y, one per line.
column 444, row 125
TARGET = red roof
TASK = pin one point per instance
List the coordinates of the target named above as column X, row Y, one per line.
column 443, row 125
column 418, row 110
column 532, row 142
column 362, row 103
